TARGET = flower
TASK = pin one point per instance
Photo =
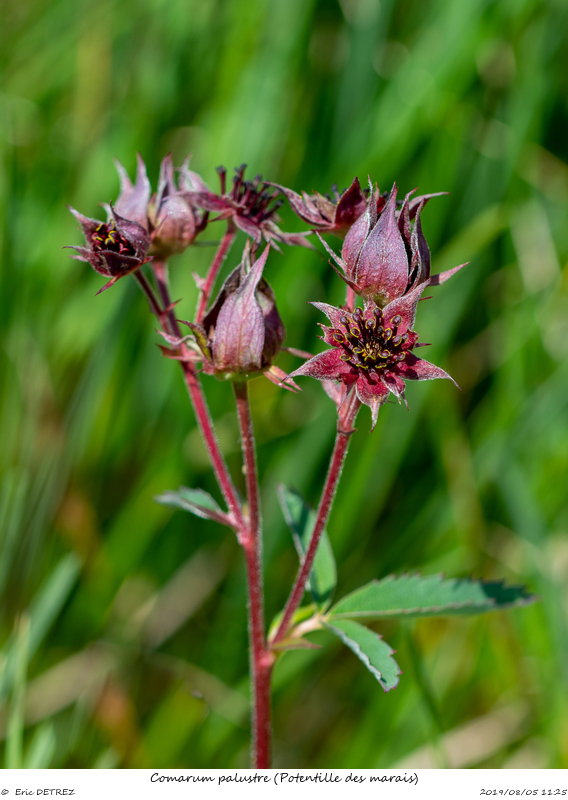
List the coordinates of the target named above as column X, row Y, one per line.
column 172, row 222
column 327, row 215
column 242, row 333
column 115, row 248
column 372, row 350
column 383, row 257
column 251, row 206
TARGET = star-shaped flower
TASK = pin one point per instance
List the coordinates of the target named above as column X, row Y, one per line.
column 115, row 248
column 372, row 350
column 252, row 206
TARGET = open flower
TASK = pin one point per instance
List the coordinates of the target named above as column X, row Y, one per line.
column 322, row 213
column 172, row 222
column 115, row 248
column 383, row 256
column 250, row 204
column 372, row 351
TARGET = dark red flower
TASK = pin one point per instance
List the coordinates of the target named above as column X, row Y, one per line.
column 172, row 222
column 325, row 214
column 372, row 350
column 383, row 256
column 114, row 248
column 252, row 206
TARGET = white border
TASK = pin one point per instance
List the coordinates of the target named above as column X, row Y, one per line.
column 311, row 784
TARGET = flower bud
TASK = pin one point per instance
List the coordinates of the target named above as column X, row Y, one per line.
column 168, row 216
column 375, row 254
column 383, row 257
column 173, row 221
column 243, row 332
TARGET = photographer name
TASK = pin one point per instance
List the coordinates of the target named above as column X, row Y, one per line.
column 66, row 792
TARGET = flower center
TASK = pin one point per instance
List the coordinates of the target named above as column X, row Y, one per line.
column 252, row 199
column 371, row 344
column 106, row 237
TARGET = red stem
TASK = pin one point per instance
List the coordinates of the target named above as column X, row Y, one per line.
column 149, row 292
column 199, row 403
column 261, row 659
column 249, row 457
column 160, row 270
column 350, row 299
column 208, row 432
column 344, row 431
column 214, row 269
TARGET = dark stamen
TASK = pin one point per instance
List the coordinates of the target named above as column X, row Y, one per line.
column 222, row 173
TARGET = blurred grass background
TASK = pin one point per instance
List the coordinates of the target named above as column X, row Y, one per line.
column 123, row 624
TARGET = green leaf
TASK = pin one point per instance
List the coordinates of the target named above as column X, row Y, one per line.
column 44, row 608
column 13, row 754
column 368, row 646
column 42, row 747
column 428, row 596
column 196, row 501
column 301, row 518
column 50, row 599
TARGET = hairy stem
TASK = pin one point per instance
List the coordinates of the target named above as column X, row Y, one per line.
column 205, row 423
column 197, row 397
column 160, row 270
column 350, row 299
column 261, row 660
column 248, row 530
column 155, row 306
column 344, row 431
column 214, row 269
column 249, row 458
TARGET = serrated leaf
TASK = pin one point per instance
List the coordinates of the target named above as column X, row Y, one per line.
column 370, row 648
column 428, row 596
column 301, row 518
column 196, row 501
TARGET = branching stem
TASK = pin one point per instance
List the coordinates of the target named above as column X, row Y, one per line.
column 197, row 396
column 248, row 530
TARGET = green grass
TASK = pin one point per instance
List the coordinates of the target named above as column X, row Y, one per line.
column 122, row 623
